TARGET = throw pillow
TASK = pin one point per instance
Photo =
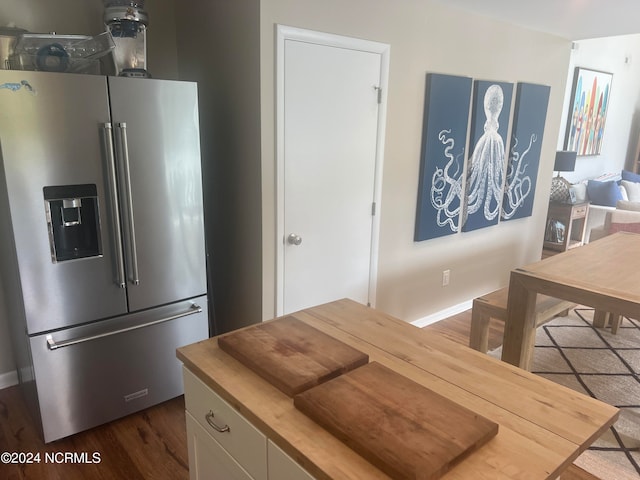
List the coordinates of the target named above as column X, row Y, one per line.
column 580, row 192
column 623, row 191
column 633, row 206
column 633, row 190
column 630, row 176
column 603, row 193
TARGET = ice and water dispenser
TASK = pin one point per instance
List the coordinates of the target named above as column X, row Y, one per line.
column 73, row 221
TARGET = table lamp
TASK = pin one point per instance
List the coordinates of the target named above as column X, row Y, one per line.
column 565, row 162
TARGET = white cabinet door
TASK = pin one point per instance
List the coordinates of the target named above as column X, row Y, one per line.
column 245, row 443
column 207, row 459
column 223, row 445
column 282, row 466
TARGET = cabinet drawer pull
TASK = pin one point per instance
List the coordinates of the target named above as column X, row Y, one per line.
column 209, row 418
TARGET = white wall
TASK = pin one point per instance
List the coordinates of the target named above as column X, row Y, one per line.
column 424, row 37
column 621, row 57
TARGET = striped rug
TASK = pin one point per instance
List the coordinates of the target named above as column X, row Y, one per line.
column 571, row 352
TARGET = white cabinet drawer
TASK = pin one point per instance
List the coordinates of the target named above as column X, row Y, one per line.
column 242, row 440
column 282, row 466
column 207, row 459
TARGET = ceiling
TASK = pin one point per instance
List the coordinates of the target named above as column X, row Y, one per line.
column 571, row 19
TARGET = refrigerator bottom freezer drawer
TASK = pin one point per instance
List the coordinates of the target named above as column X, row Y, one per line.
column 90, row 375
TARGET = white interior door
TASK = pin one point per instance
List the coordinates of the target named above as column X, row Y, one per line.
column 329, row 123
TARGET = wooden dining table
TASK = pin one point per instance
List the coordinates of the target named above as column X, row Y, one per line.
column 543, row 426
column 604, row 275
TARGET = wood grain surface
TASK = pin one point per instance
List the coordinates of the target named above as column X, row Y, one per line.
column 405, row 429
column 543, row 426
column 290, row 354
column 604, row 275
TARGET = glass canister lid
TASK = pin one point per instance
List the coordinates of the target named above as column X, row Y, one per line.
column 132, row 11
column 124, row 3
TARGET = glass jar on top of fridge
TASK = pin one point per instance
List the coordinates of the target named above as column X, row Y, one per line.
column 127, row 21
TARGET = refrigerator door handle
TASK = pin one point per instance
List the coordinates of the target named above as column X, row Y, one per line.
column 107, row 138
column 121, row 137
column 53, row 345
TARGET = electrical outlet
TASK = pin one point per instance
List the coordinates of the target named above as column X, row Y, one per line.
column 446, row 274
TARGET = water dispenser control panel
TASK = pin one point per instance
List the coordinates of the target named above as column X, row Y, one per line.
column 73, row 221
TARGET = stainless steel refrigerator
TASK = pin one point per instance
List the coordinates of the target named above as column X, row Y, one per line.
column 102, row 243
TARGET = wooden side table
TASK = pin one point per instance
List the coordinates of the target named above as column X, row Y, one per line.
column 566, row 225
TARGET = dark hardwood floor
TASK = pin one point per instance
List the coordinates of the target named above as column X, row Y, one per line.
column 147, row 445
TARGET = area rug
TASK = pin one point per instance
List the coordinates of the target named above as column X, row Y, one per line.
column 571, row 352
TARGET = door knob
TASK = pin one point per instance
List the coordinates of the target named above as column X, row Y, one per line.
column 294, row 239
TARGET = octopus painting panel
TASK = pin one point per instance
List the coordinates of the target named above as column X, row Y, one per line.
column 530, row 113
column 487, row 163
column 444, row 135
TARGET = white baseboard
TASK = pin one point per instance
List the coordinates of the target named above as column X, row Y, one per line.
column 442, row 314
column 8, row 379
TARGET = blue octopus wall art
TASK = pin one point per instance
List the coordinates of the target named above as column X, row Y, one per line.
column 494, row 188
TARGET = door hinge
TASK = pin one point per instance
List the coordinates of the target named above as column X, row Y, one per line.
column 373, row 209
column 379, row 92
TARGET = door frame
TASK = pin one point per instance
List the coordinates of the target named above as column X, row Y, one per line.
column 284, row 33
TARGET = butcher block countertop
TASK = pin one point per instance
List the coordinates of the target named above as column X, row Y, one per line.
column 543, row 426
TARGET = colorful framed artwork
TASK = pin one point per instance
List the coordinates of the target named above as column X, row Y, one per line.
column 486, row 164
column 590, row 94
column 444, row 135
column 527, row 129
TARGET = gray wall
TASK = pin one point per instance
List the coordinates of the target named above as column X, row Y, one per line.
column 219, row 47
column 84, row 17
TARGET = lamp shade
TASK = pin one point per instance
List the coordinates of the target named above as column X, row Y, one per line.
column 565, row 161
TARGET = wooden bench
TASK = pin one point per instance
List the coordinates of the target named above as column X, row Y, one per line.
column 494, row 305
column 602, row 319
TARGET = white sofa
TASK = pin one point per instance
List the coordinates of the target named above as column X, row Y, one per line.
column 595, row 220
column 624, row 217
column 603, row 195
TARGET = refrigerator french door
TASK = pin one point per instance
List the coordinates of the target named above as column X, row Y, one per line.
column 103, row 259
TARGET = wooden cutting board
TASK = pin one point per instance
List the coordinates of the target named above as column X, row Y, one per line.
column 290, row 354
column 403, row 428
